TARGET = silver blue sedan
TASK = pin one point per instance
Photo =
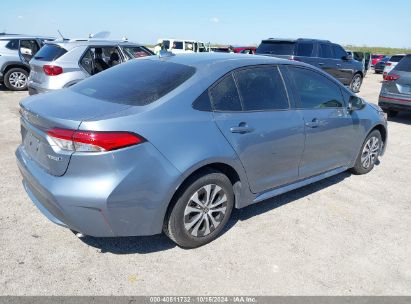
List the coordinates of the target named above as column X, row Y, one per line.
column 174, row 143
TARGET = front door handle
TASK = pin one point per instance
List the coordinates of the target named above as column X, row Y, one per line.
column 321, row 63
column 241, row 129
column 339, row 65
column 313, row 124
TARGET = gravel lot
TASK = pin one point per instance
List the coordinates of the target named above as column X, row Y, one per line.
column 347, row 235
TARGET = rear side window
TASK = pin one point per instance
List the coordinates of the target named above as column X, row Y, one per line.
column 50, row 52
column 13, row 44
column 339, row 52
column 396, row 58
column 326, row 51
column 261, row 88
column 136, row 83
column 305, row 49
column 224, row 95
column 315, row 91
column 276, row 47
column 404, row 65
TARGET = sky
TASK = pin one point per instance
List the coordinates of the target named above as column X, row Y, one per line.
column 237, row 22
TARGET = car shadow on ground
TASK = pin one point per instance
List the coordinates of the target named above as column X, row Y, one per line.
column 149, row 244
column 402, row 117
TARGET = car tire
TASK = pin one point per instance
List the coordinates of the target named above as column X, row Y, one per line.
column 356, row 82
column 200, row 210
column 16, row 79
column 368, row 156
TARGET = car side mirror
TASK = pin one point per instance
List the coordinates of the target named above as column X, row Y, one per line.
column 347, row 57
column 355, row 103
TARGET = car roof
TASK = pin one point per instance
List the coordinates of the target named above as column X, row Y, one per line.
column 231, row 60
column 295, row 39
column 17, row 36
column 71, row 44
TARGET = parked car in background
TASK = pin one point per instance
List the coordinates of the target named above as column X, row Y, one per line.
column 244, row 49
column 375, row 58
column 134, row 142
column 323, row 54
column 222, row 49
column 392, row 62
column 60, row 64
column 379, row 67
column 367, row 61
column 13, row 70
column 395, row 94
column 178, row 46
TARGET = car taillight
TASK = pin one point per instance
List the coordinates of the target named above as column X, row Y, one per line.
column 391, row 77
column 52, row 70
column 388, row 63
column 93, row 141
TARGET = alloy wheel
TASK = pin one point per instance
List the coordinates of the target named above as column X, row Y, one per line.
column 370, row 152
column 356, row 84
column 205, row 210
column 18, row 80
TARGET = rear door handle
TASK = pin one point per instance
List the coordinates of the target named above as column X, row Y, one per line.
column 241, row 129
column 313, row 124
column 321, row 63
column 339, row 65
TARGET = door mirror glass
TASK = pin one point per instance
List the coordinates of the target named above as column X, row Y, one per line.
column 355, row 103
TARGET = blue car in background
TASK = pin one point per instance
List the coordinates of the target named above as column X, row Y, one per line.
column 174, row 143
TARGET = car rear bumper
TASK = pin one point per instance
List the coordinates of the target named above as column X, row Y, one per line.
column 118, row 202
column 395, row 102
column 34, row 88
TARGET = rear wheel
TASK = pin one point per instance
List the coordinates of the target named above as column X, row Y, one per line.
column 369, row 153
column 16, row 79
column 356, row 82
column 201, row 210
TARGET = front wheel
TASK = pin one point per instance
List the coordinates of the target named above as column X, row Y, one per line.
column 356, row 82
column 201, row 210
column 369, row 153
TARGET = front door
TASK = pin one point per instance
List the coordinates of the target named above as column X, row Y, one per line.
column 251, row 109
column 27, row 49
column 329, row 128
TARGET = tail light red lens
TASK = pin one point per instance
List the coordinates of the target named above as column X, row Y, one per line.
column 93, row 141
column 52, row 70
column 391, row 77
column 388, row 63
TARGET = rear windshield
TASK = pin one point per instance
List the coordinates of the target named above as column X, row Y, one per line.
column 276, row 47
column 396, row 58
column 50, row 52
column 136, row 83
column 404, row 65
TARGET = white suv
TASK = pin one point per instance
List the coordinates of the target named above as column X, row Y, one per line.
column 178, row 46
column 392, row 62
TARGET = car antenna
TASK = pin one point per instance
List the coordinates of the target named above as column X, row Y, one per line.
column 61, row 35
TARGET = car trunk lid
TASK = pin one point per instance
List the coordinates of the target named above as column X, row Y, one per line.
column 66, row 110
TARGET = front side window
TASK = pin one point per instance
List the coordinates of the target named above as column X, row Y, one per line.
column 326, row 51
column 261, row 88
column 315, row 90
column 339, row 52
column 178, row 45
column 28, row 47
column 136, row 52
column 224, row 95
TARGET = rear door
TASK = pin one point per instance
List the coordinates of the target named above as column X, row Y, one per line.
column 331, row 136
column 252, row 110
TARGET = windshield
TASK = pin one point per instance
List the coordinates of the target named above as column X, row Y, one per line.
column 137, row 82
column 276, row 48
